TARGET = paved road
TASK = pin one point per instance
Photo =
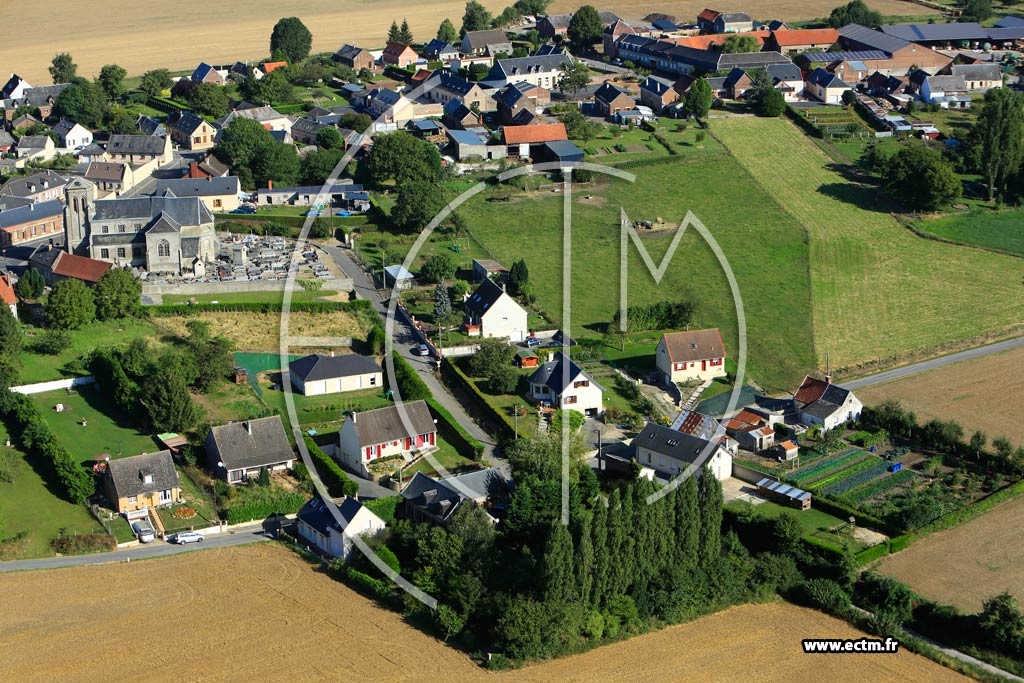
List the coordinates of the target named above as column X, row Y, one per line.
column 171, row 171
column 404, row 341
column 253, row 534
column 934, row 363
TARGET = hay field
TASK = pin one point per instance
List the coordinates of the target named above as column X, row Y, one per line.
column 262, row 331
column 878, row 291
column 966, row 565
column 147, row 35
column 260, row 613
column 979, row 393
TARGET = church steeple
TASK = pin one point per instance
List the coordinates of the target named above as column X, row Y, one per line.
column 79, row 195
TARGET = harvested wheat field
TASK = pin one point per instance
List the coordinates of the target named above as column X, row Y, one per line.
column 262, row 331
column 966, row 565
column 260, row 613
column 148, row 35
column 985, row 394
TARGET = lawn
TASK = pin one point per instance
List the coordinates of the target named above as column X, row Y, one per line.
column 815, row 523
column 37, row 367
column 324, row 413
column 272, row 297
column 230, row 402
column 107, row 430
column 614, row 146
column 987, row 228
column 447, row 457
column 30, row 504
column 879, row 292
column 766, row 247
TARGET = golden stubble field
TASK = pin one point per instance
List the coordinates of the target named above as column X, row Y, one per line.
column 966, row 565
column 178, row 35
column 262, row 331
column 260, row 613
column 985, row 394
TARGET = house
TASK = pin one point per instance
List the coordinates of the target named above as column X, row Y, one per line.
column 31, row 222
column 317, row 374
column 41, row 98
column 270, row 118
column 38, row 187
column 696, row 355
column 7, row 141
column 516, row 97
column 825, row 86
column 978, row 77
column 397, row 430
column 191, row 131
column 946, row 91
column 308, row 195
column 56, row 264
column 304, row 131
column 802, row 40
column 610, row 99
column 657, row 93
column 24, row 121
column 521, row 140
column 788, row 79
column 7, row 295
column 440, row 51
column 675, row 56
column 14, row 88
column 488, row 269
column 705, row 427
column 239, row 450
column 491, row 42
column 204, row 73
column 269, row 67
column 397, row 54
column 110, row 177
column 787, row 450
column 542, row 70
column 36, row 146
column 208, row 166
column 73, row 135
column 139, row 149
column 389, row 106
column 665, row 451
column 565, row 152
column 495, row 313
column 355, row 58
column 737, row 83
column 820, row 402
column 444, row 86
column 613, row 33
column 150, row 126
column 469, row 145
column 902, row 55
column 457, row 117
column 317, row 524
column 713, row 21
column 141, row 482
column 566, row 386
column 751, row 430
column 435, row 501
column 558, row 24
column 220, row 195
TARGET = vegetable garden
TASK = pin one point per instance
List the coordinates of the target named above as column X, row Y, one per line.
column 852, row 475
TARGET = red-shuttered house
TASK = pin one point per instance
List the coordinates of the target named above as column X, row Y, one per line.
column 402, row 430
column 683, row 356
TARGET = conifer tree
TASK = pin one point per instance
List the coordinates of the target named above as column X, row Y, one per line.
column 559, row 576
column 584, row 564
column 710, row 518
column 687, row 523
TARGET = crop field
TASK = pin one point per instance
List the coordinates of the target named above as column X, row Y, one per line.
column 978, row 393
column 149, row 35
column 965, row 565
column 998, row 230
column 879, row 293
column 259, row 612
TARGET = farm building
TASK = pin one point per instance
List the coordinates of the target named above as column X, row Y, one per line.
column 784, row 493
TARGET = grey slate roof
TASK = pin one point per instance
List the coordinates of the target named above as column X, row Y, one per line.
column 317, row 366
column 20, row 187
column 784, row 72
column 825, row 79
column 553, row 373
column 184, row 210
column 33, row 142
column 609, row 91
column 316, row 514
column 253, row 443
column 977, row 72
column 432, row 496
column 442, row 78
column 733, row 17
column 136, row 144
column 669, row 442
column 150, row 126
column 936, row 32
column 307, row 126
column 128, row 475
column 105, row 170
column 1010, row 22
column 508, row 69
column 31, row 212
column 6, row 139
column 485, row 295
column 199, row 187
column 479, row 39
column 869, row 39
column 386, row 424
column 185, row 121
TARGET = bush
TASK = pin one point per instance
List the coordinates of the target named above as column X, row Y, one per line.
column 83, row 543
column 366, row 584
column 825, row 594
column 330, row 472
column 54, row 341
column 262, row 502
column 409, row 384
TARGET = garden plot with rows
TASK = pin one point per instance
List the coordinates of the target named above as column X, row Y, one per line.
column 853, row 475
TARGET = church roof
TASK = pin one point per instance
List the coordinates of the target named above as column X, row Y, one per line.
column 184, row 210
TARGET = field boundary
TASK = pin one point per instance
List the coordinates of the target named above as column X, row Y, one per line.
column 924, row 234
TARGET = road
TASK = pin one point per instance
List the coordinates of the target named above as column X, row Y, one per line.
column 934, row 363
column 404, row 341
column 254, row 534
column 171, row 171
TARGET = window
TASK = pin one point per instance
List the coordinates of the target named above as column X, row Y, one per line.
column 104, row 253
column 165, row 496
column 105, row 229
column 163, row 248
column 217, row 203
column 121, row 228
column 121, row 252
column 133, row 499
column 569, row 399
column 373, row 380
column 581, row 383
column 147, row 479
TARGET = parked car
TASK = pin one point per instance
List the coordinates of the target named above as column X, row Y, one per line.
column 533, row 341
column 423, row 350
column 312, row 212
column 144, row 530
column 183, row 537
column 244, row 209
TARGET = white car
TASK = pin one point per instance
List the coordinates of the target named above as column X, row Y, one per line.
column 183, row 537
column 144, row 530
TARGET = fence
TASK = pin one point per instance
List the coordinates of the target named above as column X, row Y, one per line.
column 43, row 387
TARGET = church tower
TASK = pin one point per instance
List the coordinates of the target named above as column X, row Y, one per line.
column 79, row 196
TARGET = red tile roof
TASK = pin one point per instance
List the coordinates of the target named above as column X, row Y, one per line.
column 751, row 418
column 6, row 291
column 543, row 132
column 395, row 49
column 706, row 42
column 709, row 15
column 806, row 36
column 810, row 390
column 80, row 267
column 788, row 445
column 268, row 67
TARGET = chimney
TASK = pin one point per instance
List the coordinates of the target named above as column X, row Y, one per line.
column 503, row 285
column 248, row 427
column 270, row 184
column 828, row 379
column 332, row 354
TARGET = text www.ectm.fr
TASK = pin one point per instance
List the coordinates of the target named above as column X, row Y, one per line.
column 836, row 645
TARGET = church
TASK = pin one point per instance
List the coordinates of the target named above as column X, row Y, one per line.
column 164, row 234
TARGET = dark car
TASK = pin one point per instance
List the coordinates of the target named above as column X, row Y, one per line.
column 244, row 209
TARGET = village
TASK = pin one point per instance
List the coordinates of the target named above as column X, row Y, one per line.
column 317, row 299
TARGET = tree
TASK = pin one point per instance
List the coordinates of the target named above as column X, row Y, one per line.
column 242, row 141
column 330, row 138
column 167, row 401
column 921, row 177
column 70, row 305
column 401, row 156
column 975, row 10
column 120, row 120
column 493, row 352
column 502, row 379
column 418, row 202
column 697, row 102
column 738, row 43
column 376, row 340
column 574, row 78
column 117, row 294
column 476, row 18
column 585, row 28
column 978, row 441
column 291, row 37
column 62, row 68
column 210, row 100
column 154, row 82
column 31, row 284
column 111, row 79
column 446, row 32
column 997, row 138
column 394, row 33
column 84, row 103
column 405, row 33
column 316, row 166
column 353, row 121
column 1001, row 621
column 518, row 277
column 10, row 334
column 710, row 494
column 279, row 163
column 440, row 267
column 772, row 104
column 442, row 304
column 276, row 88
column 559, row 581
column 854, row 12
column 534, row 7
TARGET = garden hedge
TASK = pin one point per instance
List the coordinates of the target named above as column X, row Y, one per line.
column 501, row 424
column 331, row 474
column 170, row 310
column 453, row 432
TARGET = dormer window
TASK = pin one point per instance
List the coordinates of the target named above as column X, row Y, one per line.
column 147, row 479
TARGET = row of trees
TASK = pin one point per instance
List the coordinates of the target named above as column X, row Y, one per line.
column 72, row 305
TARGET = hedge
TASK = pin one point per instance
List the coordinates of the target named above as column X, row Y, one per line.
column 171, row 310
column 265, row 504
column 365, row 583
column 502, row 427
column 871, row 554
column 289, row 221
column 802, row 121
column 842, row 510
column 453, row 432
column 409, row 384
column 331, row 474
column 966, row 514
column 165, row 105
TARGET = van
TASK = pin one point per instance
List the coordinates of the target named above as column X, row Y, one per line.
column 183, row 537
